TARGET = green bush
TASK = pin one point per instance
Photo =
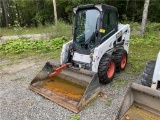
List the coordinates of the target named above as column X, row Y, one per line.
column 37, row 46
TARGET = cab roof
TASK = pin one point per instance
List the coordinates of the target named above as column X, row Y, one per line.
column 101, row 7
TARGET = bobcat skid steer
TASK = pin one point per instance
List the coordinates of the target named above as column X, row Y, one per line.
column 142, row 102
column 99, row 48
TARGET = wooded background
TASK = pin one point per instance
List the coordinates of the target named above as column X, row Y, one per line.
column 32, row 13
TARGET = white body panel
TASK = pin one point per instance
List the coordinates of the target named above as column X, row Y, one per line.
column 81, row 58
column 156, row 75
column 64, row 53
column 108, row 44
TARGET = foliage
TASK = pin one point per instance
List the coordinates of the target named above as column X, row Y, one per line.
column 62, row 29
column 40, row 12
column 25, row 46
column 28, row 12
column 118, row 83
column 152, row 27
column 74, row 117
column 142, row 50
column 153, row 13
column 108, row 102
column 147, row 39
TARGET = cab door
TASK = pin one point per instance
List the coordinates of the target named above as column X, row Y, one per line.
column 110, row 24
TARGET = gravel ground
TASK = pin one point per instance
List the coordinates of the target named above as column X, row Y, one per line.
column 17, row 102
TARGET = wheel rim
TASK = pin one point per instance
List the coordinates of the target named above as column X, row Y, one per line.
column 111, row 69
column 123, row 61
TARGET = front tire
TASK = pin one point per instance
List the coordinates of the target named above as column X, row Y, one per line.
column 106, row 69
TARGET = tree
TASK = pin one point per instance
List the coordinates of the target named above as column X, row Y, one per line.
column 31, row 13
column 144, row 17
column 4, row 13
column 18, row 14
column 55, row 11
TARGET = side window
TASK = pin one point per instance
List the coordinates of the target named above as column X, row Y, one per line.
column 106, row 22
column 113, row 20
column 109, row 24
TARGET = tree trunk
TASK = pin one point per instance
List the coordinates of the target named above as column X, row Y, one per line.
column 144, row 17
column 127, row 5
column 55, row 11
column 19, row 19
column 41, row 6
column 5, row 13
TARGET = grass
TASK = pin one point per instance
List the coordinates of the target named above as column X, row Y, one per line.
column 108, row 102
column 117, row 83
column 142, row 50
column 91, row 103
column 74, row 117
column 61, row 29
column 150, row 27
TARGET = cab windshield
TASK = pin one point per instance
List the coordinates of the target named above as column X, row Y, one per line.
column 86, row 25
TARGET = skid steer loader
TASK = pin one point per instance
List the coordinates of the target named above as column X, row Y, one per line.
column 142, row 102
column 98, row 49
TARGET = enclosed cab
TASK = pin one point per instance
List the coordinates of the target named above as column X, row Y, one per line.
column 93, row 25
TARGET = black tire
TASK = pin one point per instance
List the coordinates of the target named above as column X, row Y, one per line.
column 106, row 69
column 121, row 58
column 148, row 74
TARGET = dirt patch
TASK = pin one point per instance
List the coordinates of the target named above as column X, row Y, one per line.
column 16, row 67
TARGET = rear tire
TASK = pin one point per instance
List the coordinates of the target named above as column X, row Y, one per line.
column 120, row 59
column 148, row 74
column 106, row 69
